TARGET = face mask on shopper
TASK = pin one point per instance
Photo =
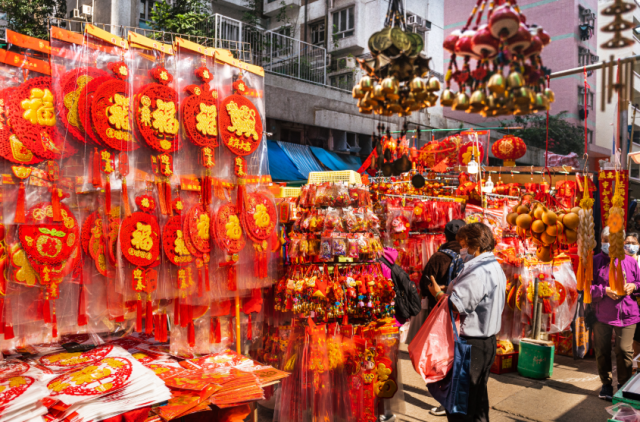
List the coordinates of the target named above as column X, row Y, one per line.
column 631, row 249
column 605, row 248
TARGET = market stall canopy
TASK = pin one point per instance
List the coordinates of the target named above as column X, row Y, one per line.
column 336, row 162
column 302, row 158
column 280, row 165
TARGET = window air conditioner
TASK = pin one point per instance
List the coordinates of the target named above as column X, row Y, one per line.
column 87, row 10
column 76, row 14
column 414, row 20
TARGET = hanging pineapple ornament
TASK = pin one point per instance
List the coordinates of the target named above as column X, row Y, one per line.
column 586, row 242
column 615, row 221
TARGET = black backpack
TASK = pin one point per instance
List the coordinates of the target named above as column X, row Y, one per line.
column 456, row 266
column 407, row 298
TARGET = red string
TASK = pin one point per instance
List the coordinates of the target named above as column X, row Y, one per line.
column 546, row 150
column 586, row 86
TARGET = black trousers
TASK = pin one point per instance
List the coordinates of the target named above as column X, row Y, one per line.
column 483, row 353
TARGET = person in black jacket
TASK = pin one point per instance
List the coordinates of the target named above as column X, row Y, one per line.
column 438, row 267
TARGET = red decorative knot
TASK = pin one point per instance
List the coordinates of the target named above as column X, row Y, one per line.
column 156, row 113
column 227, row 230
column 173, row 241
column 200, row 115
column 161, row 75
column 146, row 203
column 204, row 74
column 72, row 83
column 140, row 239
column 240, row 87
column 469, row 150
column 84, row 107
column 11, row 148
column 111, row 117
column 260, row 216
column 119, row 69
column 177, row 205
column 31, row 111
column 198, row 222
column 46, row 241
column 240, row 124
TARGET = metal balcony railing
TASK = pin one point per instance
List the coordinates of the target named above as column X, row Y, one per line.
column 276, row 53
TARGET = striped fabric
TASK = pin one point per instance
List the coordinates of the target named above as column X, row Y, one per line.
column 302, row 157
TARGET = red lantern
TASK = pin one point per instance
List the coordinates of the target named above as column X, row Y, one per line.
column 509, row 149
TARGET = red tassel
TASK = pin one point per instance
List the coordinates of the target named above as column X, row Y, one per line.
column 55, row 203
column 46, row 311
column 157, row 332
column 240, row 197
column 107, row 194
column 139, row 315
column 249, row 328
column 1, row 315
column 148, row 323
column 54, row 331
column 191, row 334
column 8, row 332
column 218, row 331
column 167, row 198
column 163, row 327
column 184, row 317
column 125, row 198
column 163, row 204
column 82, row 307
column 232, row 277
column 19, row 218
column 206, row 277
column 200, row 282
column 231, row 329
column 97, row 182
column 176, row 312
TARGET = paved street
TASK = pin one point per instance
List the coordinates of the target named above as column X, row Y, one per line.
column 570, row 395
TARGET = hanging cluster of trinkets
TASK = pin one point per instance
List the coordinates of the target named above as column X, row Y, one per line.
column 396, row 78
column 112, row 200
column 508, row 78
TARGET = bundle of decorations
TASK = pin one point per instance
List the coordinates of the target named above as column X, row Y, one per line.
column 339, row 372
column 133, row 181
column 504, row 41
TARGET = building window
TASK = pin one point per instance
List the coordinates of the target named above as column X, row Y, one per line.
column 145, row 8
column 634, row 170
column 343, row 23
column 590, row 97
column 317, row 33
column 589, row 136
column 342, row 81
column 585, row 57
column 587, row 23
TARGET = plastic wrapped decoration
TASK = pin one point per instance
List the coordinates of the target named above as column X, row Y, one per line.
column 468, row 151
column 586, row 243
column 435, row 152
column 512, row 327
column 557, row 290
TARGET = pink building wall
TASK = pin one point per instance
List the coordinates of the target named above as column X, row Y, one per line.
column 560, row 18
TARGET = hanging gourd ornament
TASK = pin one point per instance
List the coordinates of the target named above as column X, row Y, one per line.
column 71, row 85
column 240, row 122
column 156, row 113
column 140, row 245
column 31, row 111
column 110, row 111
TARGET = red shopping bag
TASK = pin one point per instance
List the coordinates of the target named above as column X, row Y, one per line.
column 431, row 350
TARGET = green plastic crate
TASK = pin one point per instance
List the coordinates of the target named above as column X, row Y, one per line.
column 535, row 361
column 617, row 398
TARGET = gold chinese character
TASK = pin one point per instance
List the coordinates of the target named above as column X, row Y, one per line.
column 179, row 245
column 145, row 111
column 38, row 108
column 141, row 237
column 137, row 276
column 118, row 112
column 164, row 117
column 243, row 120
column 207, row 120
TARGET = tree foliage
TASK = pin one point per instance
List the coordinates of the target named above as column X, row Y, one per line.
column 186, row 17
column 564, row 137
column 31, row 17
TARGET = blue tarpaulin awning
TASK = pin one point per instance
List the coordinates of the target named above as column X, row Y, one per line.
column 301, row 157
column 280, row 165
column 336, row 162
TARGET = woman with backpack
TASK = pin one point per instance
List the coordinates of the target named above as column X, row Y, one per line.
column 478, row 296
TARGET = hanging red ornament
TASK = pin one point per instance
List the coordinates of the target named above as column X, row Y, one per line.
column 200, row 112
column 71, row 86
column 30, row 108
column 240, row 122
column 85, row 99
column 156, row 113
column 11, row 148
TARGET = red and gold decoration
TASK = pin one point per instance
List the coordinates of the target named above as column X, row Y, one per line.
column 616, row 222
column 200, row 112
column 240, row 122
column 469, row 151
column 259, row 220
column 586, row 242
column 509, row 148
